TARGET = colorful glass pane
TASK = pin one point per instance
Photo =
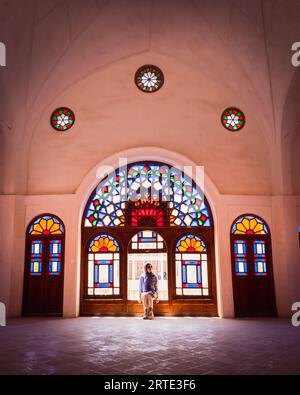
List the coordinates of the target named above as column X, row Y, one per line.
column 149, row 78
column 103, row 266
column 62, row 119
column 46, row 225
column 147, row 240
column 260, row 259
column 191, row 267
column 55, row 250
column 147, row 194
column 104, row 243
column 233, row 119
column 240, row 258
column 36, row 258
column 190, row 243
column 249, row 225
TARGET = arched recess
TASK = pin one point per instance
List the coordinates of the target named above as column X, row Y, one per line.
column 147, row 196
column 44, row 266
column 252, row 271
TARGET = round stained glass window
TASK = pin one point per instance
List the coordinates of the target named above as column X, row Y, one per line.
column 233, row 119
column 149, row 78
column 62, row 119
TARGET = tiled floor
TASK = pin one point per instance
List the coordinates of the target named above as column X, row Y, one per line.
column 163, row 346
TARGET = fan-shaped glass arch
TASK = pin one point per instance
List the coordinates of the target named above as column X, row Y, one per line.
column 103, row 243
column 190, row 243
column 46, row 225
column 191, row 267
column 147, row 194
column 249, row 225
column 103, row 266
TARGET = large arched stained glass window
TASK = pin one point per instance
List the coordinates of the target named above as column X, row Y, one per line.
column 147, row 194
column 103, row 266
column 43, row 288
column 191, row 267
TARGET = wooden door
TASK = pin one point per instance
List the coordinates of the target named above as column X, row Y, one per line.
column 43, row 277
column 253, row 283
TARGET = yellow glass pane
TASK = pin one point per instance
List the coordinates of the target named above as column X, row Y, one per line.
column 43, row 224
column 246, row 223
column 188, row 241
column 241, row 228
column 56, row 232
column 37, row 228
column 253, row 223
column 193, row 242
column 259, row 228
column 50, row 222
column 54, row 227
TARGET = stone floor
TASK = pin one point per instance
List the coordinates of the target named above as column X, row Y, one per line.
column 163, row 346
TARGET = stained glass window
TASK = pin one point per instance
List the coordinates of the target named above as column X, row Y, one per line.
column 190, row 243
column 46, row 225
column 249, row 225
column 233, row 119
column 147, row 194
column 55, row 251
column 191, row 267
column 36, row 258
column 149, row 78
column 103, row 266
column 260, row 259
column 240, row 257
column 147, row 240
column 62, row 119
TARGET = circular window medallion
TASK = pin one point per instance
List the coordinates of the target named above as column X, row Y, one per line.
column 62, row 119
column 149, row 78
column 233, row 119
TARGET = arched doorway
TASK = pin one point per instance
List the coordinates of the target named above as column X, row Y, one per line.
column 44, row 266
column 147, row 246
column 252, row 269
column 147, row 207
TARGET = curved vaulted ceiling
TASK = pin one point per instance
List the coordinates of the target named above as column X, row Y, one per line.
column 83, row 54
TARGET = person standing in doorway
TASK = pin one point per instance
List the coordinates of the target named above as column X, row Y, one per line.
column 148, row 291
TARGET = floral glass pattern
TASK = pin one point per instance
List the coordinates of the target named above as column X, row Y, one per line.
column 46, row 225
column 249, row 225
column 233, row 119
column 190, row 243
column 62, row 119
column 104, row 243
column 149, row 78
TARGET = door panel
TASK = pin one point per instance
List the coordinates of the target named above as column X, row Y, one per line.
column 43, row 282
column 253, row 283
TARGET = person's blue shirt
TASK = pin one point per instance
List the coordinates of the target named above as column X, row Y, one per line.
column 148, row 283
